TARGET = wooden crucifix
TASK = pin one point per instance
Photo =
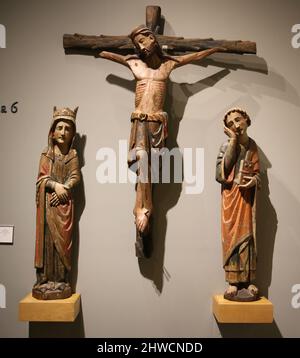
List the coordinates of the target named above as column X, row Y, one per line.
column 151, row 58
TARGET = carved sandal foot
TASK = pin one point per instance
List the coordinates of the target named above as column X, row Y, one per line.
column 253, row 290
column 230, row 292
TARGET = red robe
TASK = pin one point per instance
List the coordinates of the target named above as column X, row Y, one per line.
column 60, row 219
column 238, row 218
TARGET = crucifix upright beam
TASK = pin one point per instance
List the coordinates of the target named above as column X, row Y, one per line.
column 92, row 45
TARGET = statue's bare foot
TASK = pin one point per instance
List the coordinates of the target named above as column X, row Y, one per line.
column 141, row 220
column 253, row 289
column 231, row 291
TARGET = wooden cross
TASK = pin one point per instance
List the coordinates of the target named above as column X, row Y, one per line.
column 151, row 69
column 92, row 45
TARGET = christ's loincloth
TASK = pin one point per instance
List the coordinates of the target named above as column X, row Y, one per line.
column 148, row 132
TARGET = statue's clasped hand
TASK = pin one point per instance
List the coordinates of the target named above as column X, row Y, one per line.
column 60, row 195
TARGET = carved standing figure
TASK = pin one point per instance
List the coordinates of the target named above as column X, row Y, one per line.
column 59, row 173
column 151, row 69
column 238, row 172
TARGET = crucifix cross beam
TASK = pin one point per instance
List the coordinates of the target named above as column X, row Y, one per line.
column 92, row 45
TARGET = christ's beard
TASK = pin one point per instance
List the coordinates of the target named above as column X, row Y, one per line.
column 147, row 53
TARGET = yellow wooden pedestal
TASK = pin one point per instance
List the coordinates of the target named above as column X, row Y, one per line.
column 226, row 311
column 33, row 310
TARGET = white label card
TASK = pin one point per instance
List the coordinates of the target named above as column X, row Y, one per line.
column 6, row 234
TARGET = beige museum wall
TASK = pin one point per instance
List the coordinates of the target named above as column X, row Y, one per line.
column 170, row 294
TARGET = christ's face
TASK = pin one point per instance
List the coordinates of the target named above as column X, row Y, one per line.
column 146, row 44
column 236, row 122
column 63, row 132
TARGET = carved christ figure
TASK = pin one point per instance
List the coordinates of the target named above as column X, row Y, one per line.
column 151, row 69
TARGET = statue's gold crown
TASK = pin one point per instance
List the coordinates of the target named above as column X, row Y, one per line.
column 65, row 113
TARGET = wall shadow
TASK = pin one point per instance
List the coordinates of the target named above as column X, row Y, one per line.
column 58, row 329
column 79, row 205
column 274, row 84
column 266, row 221
column 236, row 62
